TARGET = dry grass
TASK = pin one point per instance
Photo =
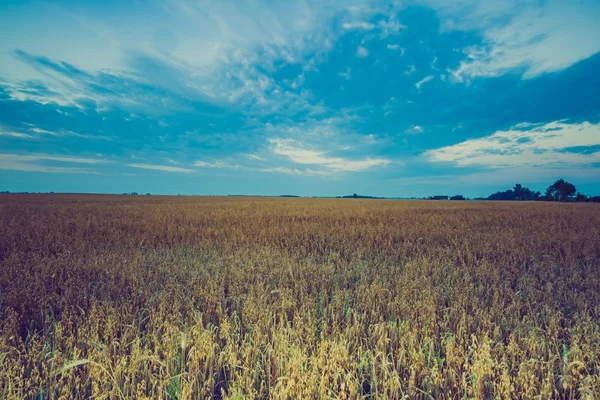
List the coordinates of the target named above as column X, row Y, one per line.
column 150, row 297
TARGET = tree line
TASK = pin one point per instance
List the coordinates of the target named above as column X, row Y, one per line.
column 560, row 190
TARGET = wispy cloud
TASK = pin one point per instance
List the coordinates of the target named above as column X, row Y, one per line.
column 347, row 75
column 410, row 70
column 276, row 169
column 165, row 168
column 297, row 171
column 362, row 51
column 43, row 131
column 35, row 163
column 169, row 69
column 387, row 26
column 218, row 164
column 358, row 25
column 530, row 37
column 33, row 132
column 553, row 144
column 294, row 152
column 48, row 157
column 256, row 157
column 423, row 81
column 391, row 26
column 159, row 85
column 14, row 134
column 414, row 130
column 395, row 47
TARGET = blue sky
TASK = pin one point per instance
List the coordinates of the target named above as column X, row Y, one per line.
column 299, row 97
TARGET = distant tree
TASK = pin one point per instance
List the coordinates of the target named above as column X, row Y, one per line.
column 519, row 192
column 560, row 190
column 506, row 195
column 524, row 193
column 580, row 197
column 458, row 197
column 355, row 195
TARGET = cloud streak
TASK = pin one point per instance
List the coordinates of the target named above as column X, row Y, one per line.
column 423, row 81
column 271, row 169
column 553, row 144
column 164, row 168
column 36, row 163
column 14, row 134
column 362, row 52
column 529, row 37
column 292, row 151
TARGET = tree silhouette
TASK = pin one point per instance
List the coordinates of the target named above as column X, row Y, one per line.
column 560, row 190
column 523, row 193
column 519, row 192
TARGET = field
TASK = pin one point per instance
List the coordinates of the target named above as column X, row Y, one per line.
column 191, row 297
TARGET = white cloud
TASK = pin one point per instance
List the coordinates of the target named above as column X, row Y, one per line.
column 31, row 162
column 386, row 27
column 296, row 171
column 278, row 169
column 433, row 63
column 256, row 157
column 43, row 131
column 534, row 36
column 11, row 133
column 165, row 168
column 422, row 81
column 395, row 47
column 291, row 150
column 358, row 25
column 231, row 65
column 224, row 26
column 414, row 130
column 362, row 51
column 68, row 159
column 526, row 145
column 411, row 70
column 37, row 133
column 217, row 164
column 237, row 37
column 298, row 82
column 390, row 27
column 335, row 134
column 346, row 75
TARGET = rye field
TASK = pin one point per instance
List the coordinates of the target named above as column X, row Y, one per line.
column 147, row 297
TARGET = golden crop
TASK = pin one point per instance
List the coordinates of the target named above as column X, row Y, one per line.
column 158, row 297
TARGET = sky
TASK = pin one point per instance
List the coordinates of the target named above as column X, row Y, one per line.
column 396, row 99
